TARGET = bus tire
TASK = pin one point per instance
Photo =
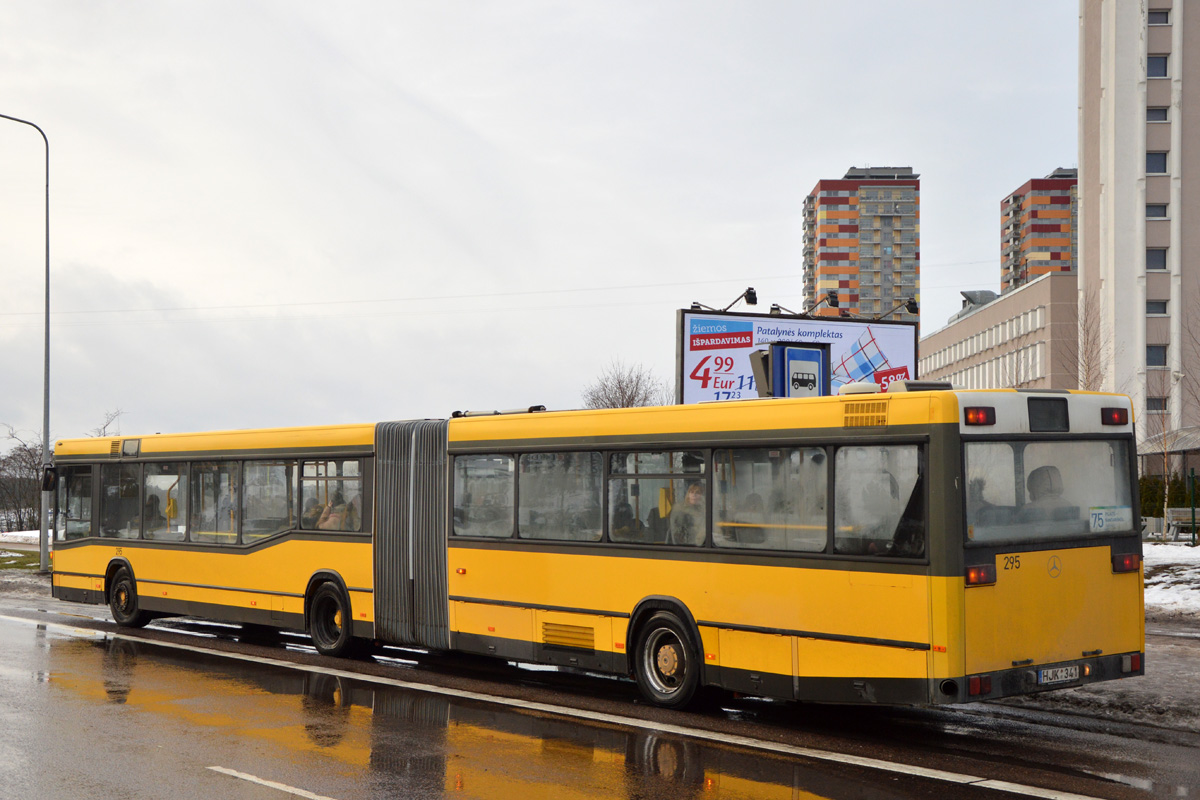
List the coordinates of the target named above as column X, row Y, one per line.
column 667, row 665
column 329, row 621
column 123, row 601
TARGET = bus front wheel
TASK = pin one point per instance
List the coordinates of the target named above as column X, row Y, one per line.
column 329, row 621
column 123, row 601
column 667, row 666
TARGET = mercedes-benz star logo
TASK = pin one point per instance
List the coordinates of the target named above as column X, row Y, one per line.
column 1054, row 566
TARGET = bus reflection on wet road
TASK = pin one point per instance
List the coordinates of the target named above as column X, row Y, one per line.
column 141, row 712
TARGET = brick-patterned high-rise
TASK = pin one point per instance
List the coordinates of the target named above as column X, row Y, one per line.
column 862, row 239
column 1038, row 229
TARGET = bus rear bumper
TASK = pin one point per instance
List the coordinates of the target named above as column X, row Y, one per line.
column 1032, row 679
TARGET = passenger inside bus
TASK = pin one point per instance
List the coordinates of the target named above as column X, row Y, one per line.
column 331, row 516
column 1046, row 497
column 312, row 513
column 153, row 518
column 1045, row 486
column 687, row 518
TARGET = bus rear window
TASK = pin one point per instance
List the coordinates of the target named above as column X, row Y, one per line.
column 1031, row 491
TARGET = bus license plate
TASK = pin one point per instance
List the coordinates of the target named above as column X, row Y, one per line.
column 1058, row 675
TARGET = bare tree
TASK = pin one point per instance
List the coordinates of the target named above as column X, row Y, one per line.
column 1095, row 345
column 1089, row 351
column 1158, row 433
column 1016, row 368
column 110, row 418
column 20, row 483
column 627, row 386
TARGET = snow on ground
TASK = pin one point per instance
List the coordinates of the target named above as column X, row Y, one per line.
column 19, row 537
column 1172, row 581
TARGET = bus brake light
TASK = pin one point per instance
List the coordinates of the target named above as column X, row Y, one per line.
column 1131, row 662
column 1114, row 416
column 1126, row 562
column 981, row 575
column 980, row 415
column 979, row 684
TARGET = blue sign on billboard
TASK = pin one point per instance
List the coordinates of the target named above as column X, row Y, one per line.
column 800, row 370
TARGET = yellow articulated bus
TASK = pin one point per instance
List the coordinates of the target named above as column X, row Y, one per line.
column 910, row 547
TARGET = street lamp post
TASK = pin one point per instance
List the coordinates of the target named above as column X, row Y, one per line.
column 44, row 539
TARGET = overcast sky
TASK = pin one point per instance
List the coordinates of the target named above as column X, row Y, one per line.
column 280, row 213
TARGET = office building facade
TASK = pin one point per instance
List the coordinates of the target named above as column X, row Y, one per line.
column 1023, row 339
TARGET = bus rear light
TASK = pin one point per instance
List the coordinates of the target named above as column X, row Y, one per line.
column 1131, row 663
column 1114, row 416
column 979, row 684
column 980, row 415
column 981, row 575
column 1126, row 562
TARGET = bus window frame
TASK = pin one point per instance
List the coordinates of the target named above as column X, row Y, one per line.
column 141, row 476
column 1058, row 541
column 243, row 494
column 923, row 445
column 185, row 472
column 452, row 532
column 236, row 506
column 66, row 472
column 706, row 475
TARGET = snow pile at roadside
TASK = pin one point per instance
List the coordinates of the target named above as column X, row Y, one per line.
column 1172, row 580
column 20, row 537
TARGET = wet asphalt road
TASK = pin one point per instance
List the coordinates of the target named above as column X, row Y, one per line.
column 85, row 713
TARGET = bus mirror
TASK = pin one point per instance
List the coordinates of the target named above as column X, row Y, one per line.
column 49, row 479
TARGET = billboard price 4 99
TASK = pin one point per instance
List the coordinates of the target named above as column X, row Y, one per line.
column 713, row 351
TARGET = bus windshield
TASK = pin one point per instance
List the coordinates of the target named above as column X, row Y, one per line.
column 1024, row 491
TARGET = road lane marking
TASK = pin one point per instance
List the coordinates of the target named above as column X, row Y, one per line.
column 719, row 739
column 283, row 787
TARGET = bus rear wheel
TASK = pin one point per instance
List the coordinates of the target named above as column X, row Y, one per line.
column 329, row 621
column 667, row 666
column 123, row 601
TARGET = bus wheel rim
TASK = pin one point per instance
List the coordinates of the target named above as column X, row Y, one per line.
column 665, row 661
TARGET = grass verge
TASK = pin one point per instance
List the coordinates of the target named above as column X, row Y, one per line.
column 10, row 559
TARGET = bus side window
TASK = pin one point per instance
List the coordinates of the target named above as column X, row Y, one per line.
column 483, row 496
column 120, row 507
column 74, row 519
column 770, row 499
column 213, row 503
column 879, row 506
column 560, row 496
column 164, row 511
column 331, row 495
column 269, row 499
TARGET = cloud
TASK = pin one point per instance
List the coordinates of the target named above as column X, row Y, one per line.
column 301, row 175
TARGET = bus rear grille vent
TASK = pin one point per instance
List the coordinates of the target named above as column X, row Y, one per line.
column 569, row 636
column 865, row 414
column 114, row 450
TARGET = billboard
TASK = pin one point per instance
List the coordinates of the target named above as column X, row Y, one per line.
column 713, row 350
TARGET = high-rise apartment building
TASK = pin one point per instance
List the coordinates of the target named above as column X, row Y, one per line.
column 1139, row 206
column 862, row 240
column 1037, row 229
